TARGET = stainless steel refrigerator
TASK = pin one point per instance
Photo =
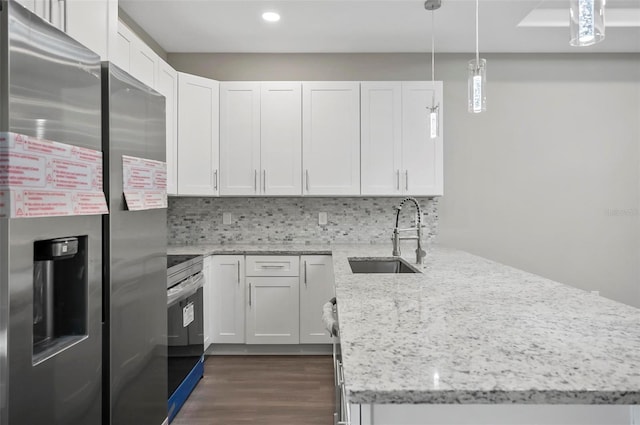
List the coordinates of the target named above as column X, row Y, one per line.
column 135, row 248
column 50, row 268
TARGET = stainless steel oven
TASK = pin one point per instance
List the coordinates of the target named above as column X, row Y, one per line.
column 185, row 332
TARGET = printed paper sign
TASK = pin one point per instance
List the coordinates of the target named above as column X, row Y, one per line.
column 188, row 315
column 41, row 178
column 144, row 183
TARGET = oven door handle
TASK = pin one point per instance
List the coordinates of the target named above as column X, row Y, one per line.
column 185, row 289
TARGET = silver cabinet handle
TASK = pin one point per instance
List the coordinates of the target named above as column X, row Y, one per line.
column 215, row 179
column 255, row 180
column 306, row 172
column 264, row 181
column 305, row 273
column 398, row 179
column 274, row 266
column 249, row 294
column 238, row 272
column 406, row 180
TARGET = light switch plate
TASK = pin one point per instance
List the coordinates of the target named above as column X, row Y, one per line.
column 322, row 218
column 226, row 218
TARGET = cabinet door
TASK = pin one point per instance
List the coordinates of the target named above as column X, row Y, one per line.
column 421, row 156
column 239, row 138
column 168, row 87
column 228, row 299
column 273, row 310
column 316, row 288
column 198, row 136
column 208, row 300
column 121, row 55
column 144, row 63
column 88, row 22
column 281, row 138
column 381, row 141
column 331, row 138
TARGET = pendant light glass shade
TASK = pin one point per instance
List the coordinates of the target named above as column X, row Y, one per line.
column 434, row 122
column 586, row 22
column 477, row 81
column 477, row 85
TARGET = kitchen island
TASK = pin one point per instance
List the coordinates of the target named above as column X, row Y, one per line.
column 473, row 341
column 470, row 331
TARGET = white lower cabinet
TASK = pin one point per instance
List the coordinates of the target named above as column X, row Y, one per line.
column 267, row 299
column 273, row 310
column 273, row 307
column 228, row 299
column 316, row 288
column 207, row 302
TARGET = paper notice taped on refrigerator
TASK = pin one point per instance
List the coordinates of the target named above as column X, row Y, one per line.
column 144, row 183
column 42, row 178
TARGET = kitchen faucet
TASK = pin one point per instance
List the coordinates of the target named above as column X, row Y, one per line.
column 420, row 253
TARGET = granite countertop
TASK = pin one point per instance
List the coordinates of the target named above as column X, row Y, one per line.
column 470, row 330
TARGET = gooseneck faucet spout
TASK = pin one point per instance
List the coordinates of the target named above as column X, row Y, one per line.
column 420, row 253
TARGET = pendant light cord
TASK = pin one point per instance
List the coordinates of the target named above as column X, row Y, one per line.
column 477, row 48
column 433, row 61
column 433, row 49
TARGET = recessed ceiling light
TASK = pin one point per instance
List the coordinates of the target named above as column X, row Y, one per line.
column 271, row 16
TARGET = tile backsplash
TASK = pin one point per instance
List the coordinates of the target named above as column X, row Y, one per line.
column 292, row 220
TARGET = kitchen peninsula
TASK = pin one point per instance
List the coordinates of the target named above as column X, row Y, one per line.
column 473, row 341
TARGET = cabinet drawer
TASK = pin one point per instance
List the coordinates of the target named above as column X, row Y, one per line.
column 272, row 265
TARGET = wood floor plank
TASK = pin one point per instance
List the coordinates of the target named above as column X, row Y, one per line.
column 262, row 390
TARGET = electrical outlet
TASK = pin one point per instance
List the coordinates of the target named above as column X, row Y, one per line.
column 322, row 219
column 226, row 218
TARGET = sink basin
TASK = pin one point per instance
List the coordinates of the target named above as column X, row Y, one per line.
column 380, row 265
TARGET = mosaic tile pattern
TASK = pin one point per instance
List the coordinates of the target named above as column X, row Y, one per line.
column 292, row 220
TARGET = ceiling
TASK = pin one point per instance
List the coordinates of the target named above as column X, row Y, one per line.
column 319, row 26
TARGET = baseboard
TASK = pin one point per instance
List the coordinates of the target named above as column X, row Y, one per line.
column 283, row 350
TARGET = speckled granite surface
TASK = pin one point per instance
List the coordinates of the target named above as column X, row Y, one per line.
column 469, row 330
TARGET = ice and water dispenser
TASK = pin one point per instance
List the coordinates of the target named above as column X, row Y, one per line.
column 59, row 295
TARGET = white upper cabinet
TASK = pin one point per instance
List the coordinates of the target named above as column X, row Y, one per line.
column 198, row 137
column 144, row 63
column 381, row 143
column 398, row 157
column 125, row 39
column 281, row 138
column 134, row 56
column 167, row 85
column 88, row 21
column 331, row 138
column 239, row 138
column 260, row 138
column 422, row 157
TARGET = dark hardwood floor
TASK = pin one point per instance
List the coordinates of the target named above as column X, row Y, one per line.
column 262, row 390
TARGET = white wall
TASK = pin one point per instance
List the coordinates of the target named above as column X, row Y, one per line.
column 547, row 180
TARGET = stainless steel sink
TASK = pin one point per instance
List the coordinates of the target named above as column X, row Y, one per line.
column 380, row 265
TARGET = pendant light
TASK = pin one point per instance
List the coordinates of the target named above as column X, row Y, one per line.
column 434, row 110
column 586, row 22
column 477, row 82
